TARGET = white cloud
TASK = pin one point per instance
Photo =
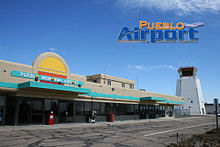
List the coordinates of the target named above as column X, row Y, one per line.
column 53, row 49
column 58, row 50
column 139, row 67
column 148, row 68
column 181, row 7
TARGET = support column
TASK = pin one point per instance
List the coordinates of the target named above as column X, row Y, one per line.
column 16, row 113
column 74, row 111
column 43, row 119
column 166, row 111
column 174, row 116
column 4, row 111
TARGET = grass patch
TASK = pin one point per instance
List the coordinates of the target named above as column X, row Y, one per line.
column 209, row 139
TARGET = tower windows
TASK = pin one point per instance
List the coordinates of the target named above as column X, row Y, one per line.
column 109, row 82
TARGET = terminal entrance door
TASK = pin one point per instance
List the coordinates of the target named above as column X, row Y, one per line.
column 143, row 111
column 170, row 111
column 30, row 111
column 66, row 111
column 152, row 111
column 51, row 105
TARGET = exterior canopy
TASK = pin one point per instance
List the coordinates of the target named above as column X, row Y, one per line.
column 53, row 73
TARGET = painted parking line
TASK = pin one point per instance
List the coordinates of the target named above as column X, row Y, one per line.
column 178, row 129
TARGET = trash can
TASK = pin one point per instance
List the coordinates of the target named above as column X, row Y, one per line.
column 112, row 117
column 92, row 117
column 51, row 118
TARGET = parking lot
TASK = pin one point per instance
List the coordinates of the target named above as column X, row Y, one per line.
column 159, row 132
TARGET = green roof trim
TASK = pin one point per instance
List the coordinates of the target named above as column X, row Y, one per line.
column 81, row 90
column 172, row 102
column 114, row 96
column 8, row 85
column 53, row 87
column 153, row 99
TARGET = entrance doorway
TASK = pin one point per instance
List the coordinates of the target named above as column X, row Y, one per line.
column 30, row 111
column 170, row 111
column 143, row 111
column 66, row 111
column 152, row 111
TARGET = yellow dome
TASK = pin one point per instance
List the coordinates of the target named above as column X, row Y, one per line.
column 52, row 65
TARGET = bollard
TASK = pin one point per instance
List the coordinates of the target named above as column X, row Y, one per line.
column 177, row 137
column 216, row 111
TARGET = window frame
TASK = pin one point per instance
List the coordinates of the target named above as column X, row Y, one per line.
column 109, row 82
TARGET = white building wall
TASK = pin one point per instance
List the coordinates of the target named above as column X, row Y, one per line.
column 190, row 89
column 201, row 100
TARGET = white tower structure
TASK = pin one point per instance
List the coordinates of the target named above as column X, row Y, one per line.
column 189, row 87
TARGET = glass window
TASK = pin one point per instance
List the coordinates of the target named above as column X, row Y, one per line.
column 2, row 103
column 96, row 107
column 66, row 111
column 55, row 107
column 116, row 108
column 70, row 109
column 102, row 109
column 147, row 109
column 131, row 86
column 24, row 112
column 157, row 109
column 152, row 111
column 87, row 108
column 47, row 108
column 129, row 109
column 62, row 109
column 121, row 109
column 109, row 82
column 136, row 110
column 30, row 111
column 170, row 111
column 36, row 106
column 47, row 105
column 123, row 85
column 162, row 111
column 79, row 108
column 108, row 108
column 94, row 81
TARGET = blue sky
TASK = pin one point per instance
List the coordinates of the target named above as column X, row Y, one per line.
column 85, row 32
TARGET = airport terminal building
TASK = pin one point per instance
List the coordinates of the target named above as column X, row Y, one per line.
column 29, row 93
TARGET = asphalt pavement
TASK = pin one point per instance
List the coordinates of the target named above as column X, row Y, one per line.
column 140, row 133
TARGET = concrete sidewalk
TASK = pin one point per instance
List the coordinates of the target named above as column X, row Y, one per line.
column 85, row 125
column 139, row 133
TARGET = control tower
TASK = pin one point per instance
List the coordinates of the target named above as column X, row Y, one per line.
column 189, row 87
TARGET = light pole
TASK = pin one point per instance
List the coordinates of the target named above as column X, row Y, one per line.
column 216, row 111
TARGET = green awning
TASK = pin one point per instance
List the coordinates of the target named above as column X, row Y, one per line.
column 152, row 99
column 32, row 84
